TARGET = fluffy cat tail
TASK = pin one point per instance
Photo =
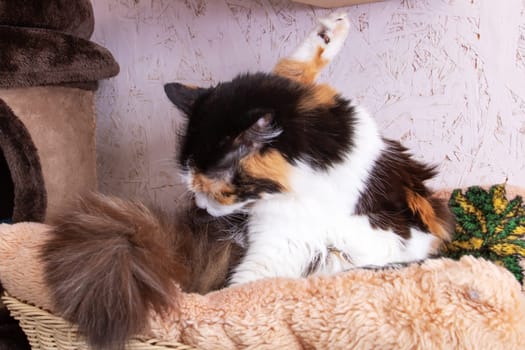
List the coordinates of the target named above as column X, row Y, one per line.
column 108, row 264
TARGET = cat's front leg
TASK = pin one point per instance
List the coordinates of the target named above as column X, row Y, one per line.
column 270, row 258
column 318, row 49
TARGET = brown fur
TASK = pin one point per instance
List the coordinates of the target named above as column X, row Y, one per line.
column 303, row 72
column 320, row 95
column 422, row 206
column 270, row 166
column 61, row 58
column 110, row 262
column 397, row 198
column 207, row 250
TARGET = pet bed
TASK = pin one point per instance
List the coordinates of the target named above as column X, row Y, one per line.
column 437, row 304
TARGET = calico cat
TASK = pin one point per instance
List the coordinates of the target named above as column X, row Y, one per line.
column 323, row 191
column 289, row 179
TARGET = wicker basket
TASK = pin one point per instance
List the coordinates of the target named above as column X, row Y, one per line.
column 48, row 332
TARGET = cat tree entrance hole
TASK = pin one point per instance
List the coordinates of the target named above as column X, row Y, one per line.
column 7, row 195
column 22, row 189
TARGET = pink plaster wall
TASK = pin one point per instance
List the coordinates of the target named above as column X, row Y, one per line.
column 445, row 77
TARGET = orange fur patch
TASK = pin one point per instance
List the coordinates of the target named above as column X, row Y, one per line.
column 436, row 246
column 318, row 95
column 271, row 165
column 303, row 72
column 420, row 205
column 219, row 190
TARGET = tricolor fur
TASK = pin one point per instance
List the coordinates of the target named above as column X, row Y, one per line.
column 322, row 189
column 294, row 180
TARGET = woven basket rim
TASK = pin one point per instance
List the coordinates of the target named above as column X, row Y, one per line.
column 46, row 331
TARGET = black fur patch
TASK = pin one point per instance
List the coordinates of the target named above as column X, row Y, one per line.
column 182, row 96
column 384, row 200
column 250, row 188
column 320, row 136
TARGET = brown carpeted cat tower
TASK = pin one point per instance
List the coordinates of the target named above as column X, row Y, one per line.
column 48, row 75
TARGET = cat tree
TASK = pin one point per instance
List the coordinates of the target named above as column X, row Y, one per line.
column 48, row 75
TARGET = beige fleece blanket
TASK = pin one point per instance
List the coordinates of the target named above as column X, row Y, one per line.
column 440, row 304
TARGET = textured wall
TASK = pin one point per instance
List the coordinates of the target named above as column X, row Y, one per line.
column 445, row 77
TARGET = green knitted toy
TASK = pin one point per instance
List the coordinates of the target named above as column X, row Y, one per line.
column 489, row 226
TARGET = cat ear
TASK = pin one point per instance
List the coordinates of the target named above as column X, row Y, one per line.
column 183, row 96
column 262, row 131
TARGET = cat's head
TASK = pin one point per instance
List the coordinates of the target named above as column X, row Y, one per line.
column 243, row 137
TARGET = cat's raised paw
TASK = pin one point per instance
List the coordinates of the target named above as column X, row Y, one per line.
column 325, row 40
column 333, row 31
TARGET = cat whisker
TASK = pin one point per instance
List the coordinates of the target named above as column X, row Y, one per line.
column 166, row 161
column 185, row 196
